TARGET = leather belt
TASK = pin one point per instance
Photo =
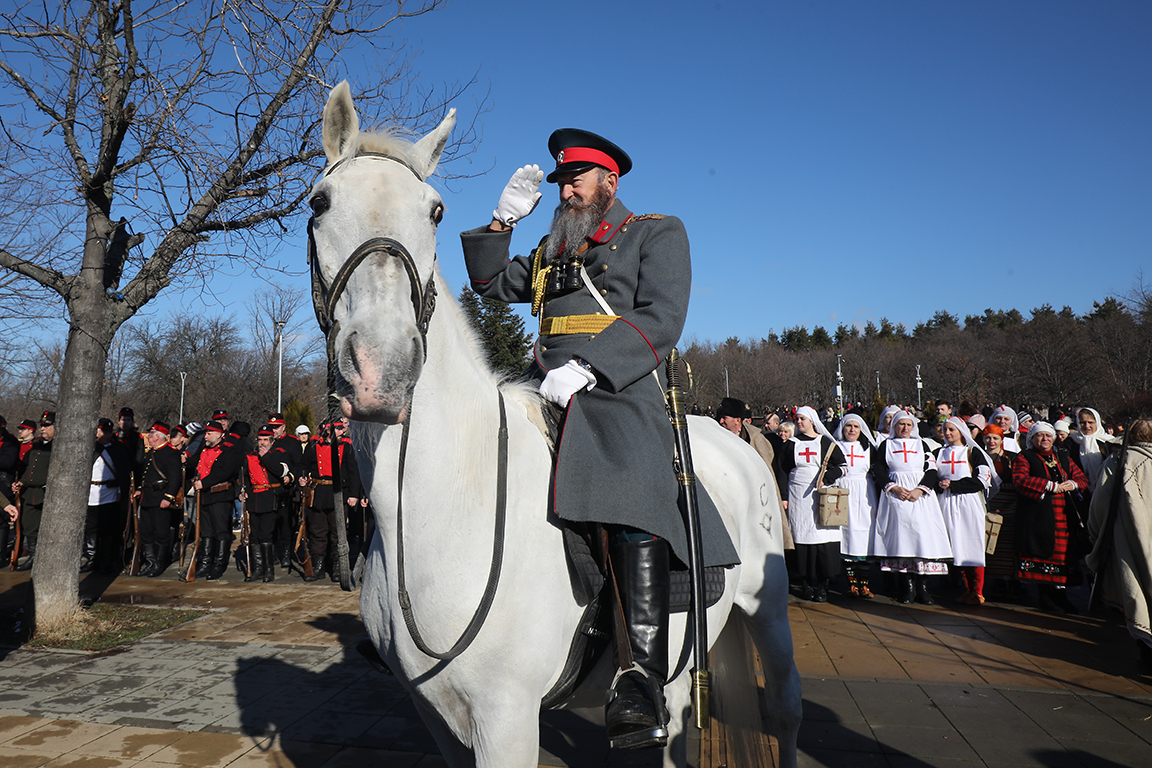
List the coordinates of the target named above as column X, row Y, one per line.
column 321, row 481
column 105, row 482
column 259, row 487
column 220, row 487
column 556, row 326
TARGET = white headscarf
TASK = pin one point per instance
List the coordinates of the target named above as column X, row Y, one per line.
column 810, row 412
column 1037, row 428
column 972, row 442
column 839, row 434
column 888, row 410
column 1010, row 412
column 1091, row 459
column 901, row 415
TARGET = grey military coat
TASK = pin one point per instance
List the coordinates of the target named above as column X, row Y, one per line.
column 614, row 455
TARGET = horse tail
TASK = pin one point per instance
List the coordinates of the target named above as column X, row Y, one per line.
column 738, row 735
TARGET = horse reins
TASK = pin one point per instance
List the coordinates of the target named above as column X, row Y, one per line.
column 324, row 300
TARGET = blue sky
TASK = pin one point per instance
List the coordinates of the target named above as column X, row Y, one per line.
column 832, row 161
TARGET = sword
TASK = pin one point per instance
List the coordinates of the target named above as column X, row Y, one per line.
column 687, row 478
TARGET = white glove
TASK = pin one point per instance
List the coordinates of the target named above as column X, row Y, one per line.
column 520, row 196
column 563, row 382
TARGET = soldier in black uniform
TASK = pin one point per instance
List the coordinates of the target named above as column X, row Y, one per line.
column 132, row 440
column 9, row 466
column 159, row 487
column 317, row 470
column 266, row 473
column 30, row 486
column 286, row 449
column 215, row 479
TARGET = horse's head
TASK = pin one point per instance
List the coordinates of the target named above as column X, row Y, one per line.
column 372, row 243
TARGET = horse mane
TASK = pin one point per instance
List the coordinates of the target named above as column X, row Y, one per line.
column 389, row 141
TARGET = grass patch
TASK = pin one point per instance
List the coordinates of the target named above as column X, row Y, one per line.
column 98, row 628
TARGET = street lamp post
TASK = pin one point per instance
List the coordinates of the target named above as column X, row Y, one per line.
column 280, row 366
column 839, row 388
column 879, row 394
column 919, row 387
column 726, row 392
column 183, row 375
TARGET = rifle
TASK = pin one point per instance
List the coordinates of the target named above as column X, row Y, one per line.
column 245, row 528
column 687, row 477
column 190, row 574
column 307, row 494
column 134, row 522
column 16, row 546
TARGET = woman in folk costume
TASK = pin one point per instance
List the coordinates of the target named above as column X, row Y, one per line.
column 1000, row 566
column 1043, row 479
column 1122, row 555
column 910, row 535
column 817, row 548
column 964, row 474
column 1005, row 418
column 859, row 449
column 1091, row 445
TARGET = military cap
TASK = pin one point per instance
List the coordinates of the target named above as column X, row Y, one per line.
column 3, row 421
column 179, row 430
column 575, row 151
column 276, row 419
column 26, row 424
column 214, row 426
column 240, row 429
column 265, row 431
column 126, row 411
column 219, row 413
column 160, row 427
column 105, row 424
column 48, row 418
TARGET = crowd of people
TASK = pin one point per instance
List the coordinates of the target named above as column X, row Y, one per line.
column 988, row 501
column 184, row 492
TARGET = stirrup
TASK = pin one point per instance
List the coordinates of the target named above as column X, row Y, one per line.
column 642, row 737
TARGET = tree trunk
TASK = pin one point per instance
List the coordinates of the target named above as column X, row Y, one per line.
column 55, row 571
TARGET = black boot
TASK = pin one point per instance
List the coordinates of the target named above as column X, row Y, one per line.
column 29, row 554
column 317, row 568
column 907, row 587
column 1060, row 597
column 821, row 595
column 922, row 595
column 219, row 559
column 284, row 552
column 203, row 557
column 88, row 556
column 268, row 555
column 806, row 590
column 258, row 564
column 636, row 716
column 1048, row 601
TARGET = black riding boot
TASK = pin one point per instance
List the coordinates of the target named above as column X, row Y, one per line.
column 29, row 554
column 636, row 716
column 219, row 559
column 88, row 556
column 922, row 594
column 258, row 563
column 268, row 550
column 284, row 552
column 317, row 568
column 151, row 565
column 204, row 557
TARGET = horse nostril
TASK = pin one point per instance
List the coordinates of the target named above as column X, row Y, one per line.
column 353, row 357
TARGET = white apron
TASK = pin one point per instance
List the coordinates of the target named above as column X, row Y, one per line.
column 858, row 534
column 963, row 512
column 913, row 529
column 802, row 493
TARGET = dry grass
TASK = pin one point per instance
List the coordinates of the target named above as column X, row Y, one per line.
column 103, row 626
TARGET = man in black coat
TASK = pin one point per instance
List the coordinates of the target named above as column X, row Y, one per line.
column 318, row 470
column 9, row 466
column 216, row 478
column 285, row 449
column 160, row 485
column 32, row 481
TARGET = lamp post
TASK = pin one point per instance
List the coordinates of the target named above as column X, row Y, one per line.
column 878, row 393
column 280, row 366
column 919, row 387
column 183, row 375
column 726, row 392
column 839, row 388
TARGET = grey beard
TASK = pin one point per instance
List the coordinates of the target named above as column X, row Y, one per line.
column 571, row 224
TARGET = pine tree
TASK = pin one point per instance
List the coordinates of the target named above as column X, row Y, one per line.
column 501, row 331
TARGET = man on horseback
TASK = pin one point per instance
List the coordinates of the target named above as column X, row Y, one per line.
column 611, row 289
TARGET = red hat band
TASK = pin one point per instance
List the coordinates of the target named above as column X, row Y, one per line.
column 158, row 427
column 586, row 155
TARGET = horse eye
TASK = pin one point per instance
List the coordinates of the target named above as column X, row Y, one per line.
column 319, row 203
column 438, row 213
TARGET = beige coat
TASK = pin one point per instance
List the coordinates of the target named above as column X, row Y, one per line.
column 1127, row 582
column 756, row 439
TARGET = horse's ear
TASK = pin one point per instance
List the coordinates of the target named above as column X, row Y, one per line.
column 341, row 125
column 431, row 146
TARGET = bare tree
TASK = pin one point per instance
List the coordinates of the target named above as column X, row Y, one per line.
column 163, row 144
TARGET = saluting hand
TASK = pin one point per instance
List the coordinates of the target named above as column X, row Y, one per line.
column 520, row 196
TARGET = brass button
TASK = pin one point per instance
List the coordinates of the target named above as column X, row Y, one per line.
column 612, row 247
column 543, row 348
column 604, row 267
column 603, row 291
column 623, row 229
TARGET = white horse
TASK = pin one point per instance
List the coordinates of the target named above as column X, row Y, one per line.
column 374, row 235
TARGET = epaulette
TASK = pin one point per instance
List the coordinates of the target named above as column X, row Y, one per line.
column 646, row 217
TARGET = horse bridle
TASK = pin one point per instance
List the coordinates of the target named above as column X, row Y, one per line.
column 325, row 298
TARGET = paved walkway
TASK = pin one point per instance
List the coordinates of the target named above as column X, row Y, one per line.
column 269, row 679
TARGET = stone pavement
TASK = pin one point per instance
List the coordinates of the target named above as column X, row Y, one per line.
column 269, row 678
